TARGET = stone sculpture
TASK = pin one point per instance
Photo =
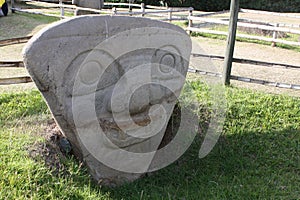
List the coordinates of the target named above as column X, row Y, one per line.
column 97, row 4
column 111, row 84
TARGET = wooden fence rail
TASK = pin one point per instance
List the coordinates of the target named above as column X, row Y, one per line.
column 169, row 12
column 114, row 11
column 211, row 13
column 273, row 40
column 55, row 5
column 252, row 37
column 271, row 23
column 15, row 80
column 32, row 12
column 27, row 79
column 122, row 4
column 249, row 61
column 243, row 24
column 12, row 41
column 11, row 64
column 269, row 13
column 267, row 83
column 156, row 7
column 248, row 80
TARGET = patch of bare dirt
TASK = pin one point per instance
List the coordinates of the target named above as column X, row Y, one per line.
column 50, row 151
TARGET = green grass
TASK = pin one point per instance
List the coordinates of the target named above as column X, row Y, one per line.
column 289, row 36
column 182, row 24
column 22, row 24
column 14, row 106
column 21, row 177
column 257, row 157
column 66, row 13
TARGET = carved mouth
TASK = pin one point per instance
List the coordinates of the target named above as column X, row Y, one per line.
column 117, row 131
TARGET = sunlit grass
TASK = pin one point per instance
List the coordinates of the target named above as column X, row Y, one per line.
column 257, row 156
column 27, row 24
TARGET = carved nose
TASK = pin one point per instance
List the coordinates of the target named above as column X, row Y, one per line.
column 140, row 100
column 137, row 102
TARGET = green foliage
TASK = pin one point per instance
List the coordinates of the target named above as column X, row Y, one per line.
column 257, row 157
column 271, row 5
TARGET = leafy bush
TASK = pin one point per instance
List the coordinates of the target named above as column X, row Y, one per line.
column 273, row 5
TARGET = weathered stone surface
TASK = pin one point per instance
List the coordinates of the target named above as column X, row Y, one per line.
column 97, row 4
column 106, row 80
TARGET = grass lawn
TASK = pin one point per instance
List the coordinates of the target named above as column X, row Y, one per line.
column 257, row 156
column 21, row 24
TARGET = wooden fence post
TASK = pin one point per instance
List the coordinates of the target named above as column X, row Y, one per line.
column 275, row 33
column 130, row 9
column 75, row 12
column 62, row 10
column 170, row 14
column 114, row 11
column 74, row 2
column 234, row 12
column 190, row 20
column 143, row 9
column 12, row 2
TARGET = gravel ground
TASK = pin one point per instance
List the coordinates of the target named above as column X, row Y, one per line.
column 259, row 53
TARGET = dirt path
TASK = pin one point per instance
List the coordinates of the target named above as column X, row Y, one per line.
column 259, row 53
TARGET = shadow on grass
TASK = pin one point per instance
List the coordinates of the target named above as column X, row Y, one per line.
column 247, row 166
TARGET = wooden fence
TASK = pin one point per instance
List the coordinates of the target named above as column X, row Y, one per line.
column 247, row 79
column 15, row 80
column 154, row 10
column 12, row 41
column 275, row 28
column 144, row 10
column 269, row 13
column 27, row 79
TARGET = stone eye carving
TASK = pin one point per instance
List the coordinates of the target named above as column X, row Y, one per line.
column 166, row 62
column 169, row 58
column 93, row 70
column 90, row 72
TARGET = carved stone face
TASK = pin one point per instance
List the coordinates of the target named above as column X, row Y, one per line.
column 116, row 75
column 99, row 82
